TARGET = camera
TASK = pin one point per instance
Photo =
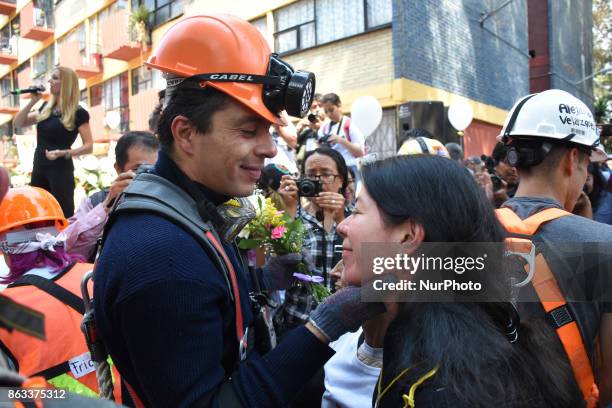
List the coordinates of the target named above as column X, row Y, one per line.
column 312, row 118
column 308, row 187
column 497, row 182
column 324, row 139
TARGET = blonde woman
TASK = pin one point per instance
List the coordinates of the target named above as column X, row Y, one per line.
column 58, row 123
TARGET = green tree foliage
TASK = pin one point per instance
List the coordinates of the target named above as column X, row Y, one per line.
column 602, row 58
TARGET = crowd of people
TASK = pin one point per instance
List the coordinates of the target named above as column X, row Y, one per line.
column 188, row 318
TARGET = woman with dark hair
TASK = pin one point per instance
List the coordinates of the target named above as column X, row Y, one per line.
column 595, row 186
column 461, row 354
column 58, row 123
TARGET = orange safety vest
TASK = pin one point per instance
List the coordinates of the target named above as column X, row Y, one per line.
column 63, row 358
column 551, row 297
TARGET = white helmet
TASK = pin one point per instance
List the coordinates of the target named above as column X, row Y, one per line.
column 554, row 115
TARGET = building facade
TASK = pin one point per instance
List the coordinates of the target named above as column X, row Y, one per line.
column 399, row 51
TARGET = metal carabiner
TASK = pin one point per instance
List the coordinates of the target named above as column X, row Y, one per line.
column 85, row 291
column 243, row 346
column 530, row 258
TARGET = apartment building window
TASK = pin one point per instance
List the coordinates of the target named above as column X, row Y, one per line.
column 313, row 22
column 115, row 96
column 8, row 39
column 144, row 78
column 262, row 25
column 83, row 96
column 295, row 26
column 162, row 10
column 6, row 86
column 43, row 13
column 95, row 94
column 42, row 65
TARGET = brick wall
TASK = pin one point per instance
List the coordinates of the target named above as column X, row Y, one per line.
column 446, row 47
column 349, row 64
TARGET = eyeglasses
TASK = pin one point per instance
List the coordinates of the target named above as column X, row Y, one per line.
column 323, row 178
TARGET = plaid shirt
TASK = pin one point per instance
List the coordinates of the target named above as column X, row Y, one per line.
column 324, row 247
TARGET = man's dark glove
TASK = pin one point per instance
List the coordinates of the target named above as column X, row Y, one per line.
column 278, row 271
column 343, row 312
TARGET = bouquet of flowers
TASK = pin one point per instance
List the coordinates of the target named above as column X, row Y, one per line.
column 279, row 234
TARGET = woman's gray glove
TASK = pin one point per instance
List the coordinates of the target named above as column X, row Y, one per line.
column 344, row 312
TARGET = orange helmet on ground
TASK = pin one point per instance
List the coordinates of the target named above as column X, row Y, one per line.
column 25, row 205
column 230, row 55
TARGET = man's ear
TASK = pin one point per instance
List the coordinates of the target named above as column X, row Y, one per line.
column 183, row 132
column 572, row 161
column 412, row 235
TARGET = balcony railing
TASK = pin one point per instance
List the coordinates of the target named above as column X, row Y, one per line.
column 36, row 22
column 7, row 7
column 9, row 104
column 85, row 65
column 8, row 51
column 117, row 41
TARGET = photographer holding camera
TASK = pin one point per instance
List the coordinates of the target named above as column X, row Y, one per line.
column 324, row 179
column 308, row 128
column 340, row 133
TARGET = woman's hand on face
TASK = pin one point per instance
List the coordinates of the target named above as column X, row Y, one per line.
column 484, row 181
column 330, row 201
column 337, row 273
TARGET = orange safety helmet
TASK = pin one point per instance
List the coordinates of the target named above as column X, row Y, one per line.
column 25, row 205
column 230, row 54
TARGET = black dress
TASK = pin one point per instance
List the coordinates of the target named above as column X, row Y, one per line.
column 56, row 176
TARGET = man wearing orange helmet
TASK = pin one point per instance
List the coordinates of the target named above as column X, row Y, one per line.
column 171, row 295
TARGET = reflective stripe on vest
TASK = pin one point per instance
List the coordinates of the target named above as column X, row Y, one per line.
column 552, row 299
column 64, row 339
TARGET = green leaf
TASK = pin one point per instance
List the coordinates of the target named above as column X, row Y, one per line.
column 248, row 243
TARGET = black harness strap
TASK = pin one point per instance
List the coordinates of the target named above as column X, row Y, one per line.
column 56, row 370
column 53, row 289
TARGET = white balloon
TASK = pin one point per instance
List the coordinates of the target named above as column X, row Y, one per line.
column 112, row 119
column 366, row 114
column 460, row 115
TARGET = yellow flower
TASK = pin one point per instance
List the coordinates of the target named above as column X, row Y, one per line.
column 233, row 202
column 270, row 215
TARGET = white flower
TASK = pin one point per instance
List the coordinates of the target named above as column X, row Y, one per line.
column 106, row 179
column 19, row 180
column 93, row 180
column 106, row 165
column 89, row 162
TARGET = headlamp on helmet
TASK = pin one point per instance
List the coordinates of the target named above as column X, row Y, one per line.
column 295, row 91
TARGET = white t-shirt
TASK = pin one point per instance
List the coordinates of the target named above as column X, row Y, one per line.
column 356, row 137
column 348, row 381
column 284, row 155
